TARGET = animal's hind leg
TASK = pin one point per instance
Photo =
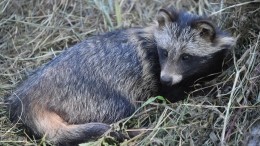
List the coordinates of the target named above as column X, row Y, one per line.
column 59, row 131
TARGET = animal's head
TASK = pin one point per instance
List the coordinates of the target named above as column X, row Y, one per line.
column 189, row 46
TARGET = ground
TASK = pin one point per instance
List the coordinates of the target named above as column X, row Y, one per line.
column 34, row 31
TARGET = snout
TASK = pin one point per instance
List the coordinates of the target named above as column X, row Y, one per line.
column 166, row 80
column 170, row 80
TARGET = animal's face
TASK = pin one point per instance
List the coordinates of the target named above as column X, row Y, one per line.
column 187, row 46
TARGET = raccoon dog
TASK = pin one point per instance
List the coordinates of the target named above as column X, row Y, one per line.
column 76, row 96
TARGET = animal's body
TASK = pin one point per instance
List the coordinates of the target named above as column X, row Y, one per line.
column 79, row 93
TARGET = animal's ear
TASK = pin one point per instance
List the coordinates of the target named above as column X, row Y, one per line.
column 165, row 16
column 205, row 29
column 226, row 42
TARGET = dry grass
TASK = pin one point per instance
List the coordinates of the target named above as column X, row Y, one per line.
column 34, row 31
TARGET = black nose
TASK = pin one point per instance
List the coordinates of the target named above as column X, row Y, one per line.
column 166, row 80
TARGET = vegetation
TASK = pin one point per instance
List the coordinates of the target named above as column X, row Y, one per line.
column 222, row 111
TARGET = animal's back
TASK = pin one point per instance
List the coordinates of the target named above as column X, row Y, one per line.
column 97, row 80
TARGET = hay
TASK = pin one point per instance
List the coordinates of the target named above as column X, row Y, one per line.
column 33, row 32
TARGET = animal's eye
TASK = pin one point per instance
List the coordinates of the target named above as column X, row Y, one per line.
column 165, row 53
column 185, row 57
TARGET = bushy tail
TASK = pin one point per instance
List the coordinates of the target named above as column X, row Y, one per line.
column 42, row 122
column 51, row 126
column 75, row 134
